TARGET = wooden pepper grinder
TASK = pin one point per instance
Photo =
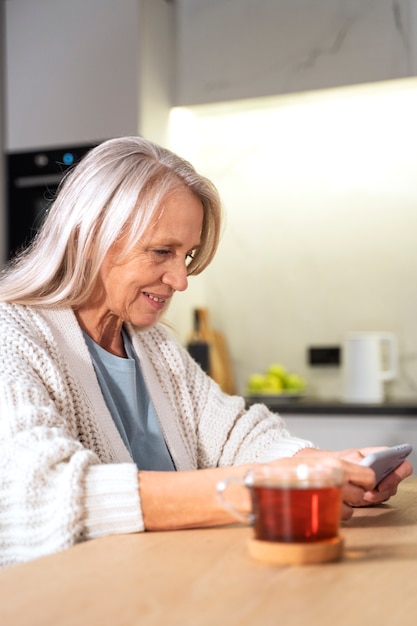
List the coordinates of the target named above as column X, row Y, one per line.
column 209, row 348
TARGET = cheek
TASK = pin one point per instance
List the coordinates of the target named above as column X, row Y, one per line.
column 125, row 283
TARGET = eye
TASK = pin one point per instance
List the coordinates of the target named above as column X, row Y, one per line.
column 162, row 252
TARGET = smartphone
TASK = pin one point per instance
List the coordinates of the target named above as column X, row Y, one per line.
column 385, row 461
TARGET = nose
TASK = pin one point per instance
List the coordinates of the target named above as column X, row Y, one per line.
column 176, row 277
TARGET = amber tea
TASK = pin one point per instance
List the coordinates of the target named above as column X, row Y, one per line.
column 294, row 501
column 288, row 514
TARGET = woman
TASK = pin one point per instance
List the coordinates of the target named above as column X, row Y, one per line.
column 99, row 404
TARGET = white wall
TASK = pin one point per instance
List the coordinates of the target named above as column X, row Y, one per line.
column 320, row 195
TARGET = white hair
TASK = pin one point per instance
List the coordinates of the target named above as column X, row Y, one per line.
column 118, row 188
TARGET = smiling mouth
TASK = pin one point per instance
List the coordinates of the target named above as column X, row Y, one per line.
column 154, row 298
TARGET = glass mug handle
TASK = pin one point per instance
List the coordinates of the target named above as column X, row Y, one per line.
column 222, row 486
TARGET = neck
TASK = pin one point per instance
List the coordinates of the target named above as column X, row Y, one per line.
column 106, row 331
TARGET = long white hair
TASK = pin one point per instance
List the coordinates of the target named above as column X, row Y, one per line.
column 117, row 189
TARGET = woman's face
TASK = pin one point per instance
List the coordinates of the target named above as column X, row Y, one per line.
column 139, row 288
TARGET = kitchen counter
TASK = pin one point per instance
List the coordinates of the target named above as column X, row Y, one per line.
column 315, row 406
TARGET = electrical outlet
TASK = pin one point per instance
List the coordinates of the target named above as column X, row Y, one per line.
column 324, row 356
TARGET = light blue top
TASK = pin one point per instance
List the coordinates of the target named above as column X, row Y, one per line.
column 128, row 400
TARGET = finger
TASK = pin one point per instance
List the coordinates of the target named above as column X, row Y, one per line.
column 353, row 495
column 394, row 478
column 389, row 485
column 359, row 475
column 356, row 455
column 346, row 511
column 377, row 497
column 371, row 449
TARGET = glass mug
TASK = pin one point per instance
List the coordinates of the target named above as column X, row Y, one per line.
column 296, row 501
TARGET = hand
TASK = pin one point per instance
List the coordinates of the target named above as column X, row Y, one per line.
column 359, row 491
column 358, row 479
column 389, row 485
column 359, row 482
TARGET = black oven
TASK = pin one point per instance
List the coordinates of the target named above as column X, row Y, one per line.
column 32, row 181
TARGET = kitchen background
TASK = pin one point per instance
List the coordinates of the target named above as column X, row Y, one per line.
column 320, row 195
column 303, row 114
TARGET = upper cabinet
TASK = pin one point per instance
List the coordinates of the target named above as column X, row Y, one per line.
column 86, row 70
column 235, row 49
column 81, row 71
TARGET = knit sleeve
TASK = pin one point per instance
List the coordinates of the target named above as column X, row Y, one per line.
column 216, row 428
column 111, row 500
column 58, row 484
column 231, row 434
column 52, row 495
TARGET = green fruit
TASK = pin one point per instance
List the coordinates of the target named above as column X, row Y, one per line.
column 255, row 383
column 272, row 384
column 275, row 380
column 277, row 370
column 294, row 382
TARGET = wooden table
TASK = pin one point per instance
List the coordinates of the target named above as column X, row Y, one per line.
column 205, row 577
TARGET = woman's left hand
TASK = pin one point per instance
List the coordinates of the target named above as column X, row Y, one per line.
column 388, row 485
column 386, row 488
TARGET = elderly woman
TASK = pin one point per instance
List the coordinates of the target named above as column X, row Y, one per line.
column 104, row 418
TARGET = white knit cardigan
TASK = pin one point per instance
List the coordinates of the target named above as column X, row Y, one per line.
column 65, row 473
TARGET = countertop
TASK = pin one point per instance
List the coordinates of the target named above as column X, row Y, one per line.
column 206, row 576
column 315, row 406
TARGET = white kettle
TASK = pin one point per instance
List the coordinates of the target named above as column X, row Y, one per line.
column 365, row 368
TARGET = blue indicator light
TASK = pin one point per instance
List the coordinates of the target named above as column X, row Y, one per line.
column 68, row 158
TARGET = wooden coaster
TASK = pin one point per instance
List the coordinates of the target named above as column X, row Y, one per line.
column 296, row 553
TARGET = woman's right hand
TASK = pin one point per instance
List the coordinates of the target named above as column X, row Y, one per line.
column 359, row 481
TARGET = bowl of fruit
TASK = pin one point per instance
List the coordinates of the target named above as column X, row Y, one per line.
column 276, row 381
